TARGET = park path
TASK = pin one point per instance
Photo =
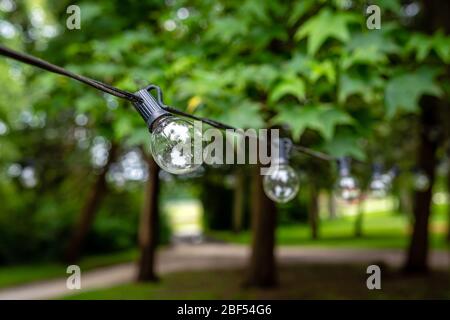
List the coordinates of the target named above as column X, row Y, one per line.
column 212, row 256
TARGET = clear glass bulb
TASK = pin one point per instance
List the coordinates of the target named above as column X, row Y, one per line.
column 387, row 179
column 378, row 187
column 347, row 188
column 172, row 145
column 421, row 181
column 281, row 184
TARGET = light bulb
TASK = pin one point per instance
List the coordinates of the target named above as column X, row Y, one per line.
column 173, row 140
column 387, row 180
column 172, row 144
column 379, row 184
column 378, row 188
column 347, row 188
column 281, row 184
column 388, row 177
column 421, row 181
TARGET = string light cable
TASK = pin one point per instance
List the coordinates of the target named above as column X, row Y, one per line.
column 149, row 107
column 281, row 185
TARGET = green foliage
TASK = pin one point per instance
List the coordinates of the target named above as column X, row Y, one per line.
column 323, row 118
column 422, row 45
column 326, row 24
column 309, row 66
column 289, row 85
column 403, row 91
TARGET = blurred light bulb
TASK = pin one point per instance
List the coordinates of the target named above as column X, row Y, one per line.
column 387, row 180
column 172, row 144
column 378, row 187
column 388, row 177
column 281, row 184
column 347, row 188
column 421, row 181
column 379, row 184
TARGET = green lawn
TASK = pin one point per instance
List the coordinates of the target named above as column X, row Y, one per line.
column 15, row 275
column 381, row 230
column 297, row 282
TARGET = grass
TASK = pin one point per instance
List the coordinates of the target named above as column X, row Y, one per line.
column 16, row 275
column 380, row 230
column 304, row 281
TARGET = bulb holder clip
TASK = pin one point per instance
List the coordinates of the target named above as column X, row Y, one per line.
column 284, row 150
column 377, row 169
column 344, row 166
column 150, row 108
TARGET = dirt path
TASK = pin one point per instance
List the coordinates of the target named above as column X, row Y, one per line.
column 212, row 256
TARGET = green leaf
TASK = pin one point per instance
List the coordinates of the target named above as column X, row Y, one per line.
column 299, row 10
column 322, row 118
column 380, row 40
column 330, row 118
column 326, row 24
column 262, row 75
column 403, row 92
column 354, row 84
column 227, row 28
column 422, row 44
column 256, row 10
column 442, row 46
column 370, row 48
column 345, row 144
column 392, row 5
column 288, row 86
column 322, row 68
column 245, row 115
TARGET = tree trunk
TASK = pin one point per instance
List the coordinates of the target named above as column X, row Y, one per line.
column 90, row 208
column 331, row 205
column 448, row 207
column 359, row 217
column 313, row 211
column 238, row 201
column 418, row 249
column 405, row 202
column 149, row 225
column 434, row 17
column 262, row 267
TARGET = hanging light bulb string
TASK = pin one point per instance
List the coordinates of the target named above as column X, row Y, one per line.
column 45, row 65
column 137, row 99
column 281, row 185
column 134, row 98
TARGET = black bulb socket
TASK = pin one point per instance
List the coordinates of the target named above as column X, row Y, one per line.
column 150, row 108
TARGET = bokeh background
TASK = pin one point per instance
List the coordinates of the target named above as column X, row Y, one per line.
column 78, row 184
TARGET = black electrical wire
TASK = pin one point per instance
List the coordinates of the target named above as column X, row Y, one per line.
column 219, row 125
column 314, row 153
column 212, row 123
column 31, row 60
column 34, row 61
